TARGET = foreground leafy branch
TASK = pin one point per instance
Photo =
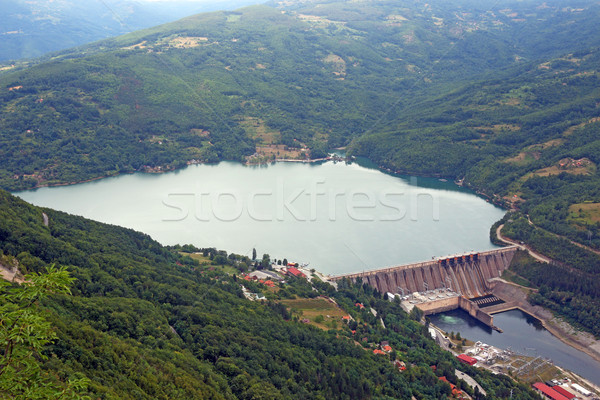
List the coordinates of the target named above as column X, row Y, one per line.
column 23, row 334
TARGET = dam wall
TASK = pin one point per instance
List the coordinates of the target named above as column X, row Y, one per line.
column 467, row 274
column 438, row 306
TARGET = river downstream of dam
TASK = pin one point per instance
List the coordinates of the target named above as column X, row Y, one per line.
column 522, row 333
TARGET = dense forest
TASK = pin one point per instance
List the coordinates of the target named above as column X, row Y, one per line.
column 148, row 322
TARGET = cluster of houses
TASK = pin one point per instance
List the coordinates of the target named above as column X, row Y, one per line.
column 270, row 278
column 456, row 392
column 384, row 348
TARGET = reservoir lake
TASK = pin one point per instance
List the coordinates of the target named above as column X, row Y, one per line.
column 337, row 217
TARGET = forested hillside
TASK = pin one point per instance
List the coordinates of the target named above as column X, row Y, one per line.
column 529, row 136
column 296, row 76
column 145, row 322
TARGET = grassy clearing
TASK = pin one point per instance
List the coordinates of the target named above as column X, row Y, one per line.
column 280, row 151
column 314, row 309
column 523, row 158
column 554, row 170
column 582, row 166
column 258, row 130
column 514, row 278
column 584, row 213
column 572, row 129
column 205, row 263
column 533, row 152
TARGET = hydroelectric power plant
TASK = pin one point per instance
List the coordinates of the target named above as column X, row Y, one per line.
column 460, row 281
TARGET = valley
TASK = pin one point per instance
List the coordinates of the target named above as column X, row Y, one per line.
column 183, row 131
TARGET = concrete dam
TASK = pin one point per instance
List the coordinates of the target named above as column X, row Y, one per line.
column 467, row 274
column 459, row 281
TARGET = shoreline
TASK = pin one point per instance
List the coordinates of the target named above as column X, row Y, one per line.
column 166, row 170
column 75, row 183
column 568, row 338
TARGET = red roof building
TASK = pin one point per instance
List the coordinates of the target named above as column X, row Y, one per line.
column 387, row 348
column 295, row 272
column 400, row 365
column 455, row 391
column 564, row 392
column 548, row 392
column 466, row 359
column 377, row 351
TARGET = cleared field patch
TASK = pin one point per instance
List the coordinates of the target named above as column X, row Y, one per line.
column 584, row 213
column 206, row 263
column 315, row 309
column 203, row 260
column 280, row 151
column 315, row 19
column 533, row 152
column 140, row 45
column 572, row 129
column 337, row 63
column 497, row 128
column 187, row 42
column 258, row 130
column 200, row 132
column 545, row 145
column 582, row 166
column 554, row 170
column 523, row 158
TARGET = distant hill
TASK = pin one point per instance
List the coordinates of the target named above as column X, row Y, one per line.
column 31, row 29
column 216, row 85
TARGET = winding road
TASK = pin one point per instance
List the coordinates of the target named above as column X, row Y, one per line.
column 521, row 246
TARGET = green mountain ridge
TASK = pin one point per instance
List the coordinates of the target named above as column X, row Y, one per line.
column 203, row 88
column 34, row 28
